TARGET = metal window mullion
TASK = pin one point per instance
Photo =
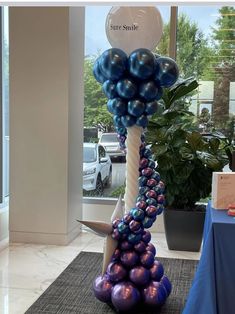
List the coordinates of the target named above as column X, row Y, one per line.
column 173, row 32
column 1, row 110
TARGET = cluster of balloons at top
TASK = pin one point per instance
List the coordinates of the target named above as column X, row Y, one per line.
column 134, row 84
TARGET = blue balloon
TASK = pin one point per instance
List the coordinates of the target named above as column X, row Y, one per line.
column 150, row 91
column 126, row 88
column 123, row 228
column 151, row 164
column 113, row 63
column 121, row 130
column 160, row 209
column 142, row 121
column 109, row 88
column 138, row 214
column 117, row 106
column 140, row 198
column 156, row 176
column 142, row 63
column 142, row 181
column 147, row 153
column 117, row 121
column 136, row 107
column 151, row 107
column 134, row 238
column 99, row 76
column 143, row 190
column 147, row 222
column 167, row 71
column 151, row 201
column 128, row 120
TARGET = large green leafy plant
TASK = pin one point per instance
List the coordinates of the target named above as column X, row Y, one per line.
column 185, row 158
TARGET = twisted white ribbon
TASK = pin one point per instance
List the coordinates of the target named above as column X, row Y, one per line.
column 133, row 143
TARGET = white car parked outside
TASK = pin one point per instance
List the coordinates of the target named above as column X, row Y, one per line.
column 97, row 168
column 111, row 144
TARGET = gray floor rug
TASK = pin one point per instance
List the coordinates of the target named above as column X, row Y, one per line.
column 72, row 292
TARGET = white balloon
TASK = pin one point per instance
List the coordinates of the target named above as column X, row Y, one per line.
column 129, row 28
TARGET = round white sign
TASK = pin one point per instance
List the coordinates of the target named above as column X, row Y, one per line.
column 129, row 28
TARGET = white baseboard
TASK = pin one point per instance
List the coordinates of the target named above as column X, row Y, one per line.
column 44, row 238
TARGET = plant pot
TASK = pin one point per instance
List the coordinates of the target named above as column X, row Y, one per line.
column 183, row 229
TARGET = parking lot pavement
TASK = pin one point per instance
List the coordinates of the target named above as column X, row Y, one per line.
column 118, row 177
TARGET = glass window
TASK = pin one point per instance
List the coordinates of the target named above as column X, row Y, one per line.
column 98, row 122
column 108, row 138
column 102, row 152
column 206, row 51
column 89, row 154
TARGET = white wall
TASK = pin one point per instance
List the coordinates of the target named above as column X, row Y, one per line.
column 4, row 217
column 46, row 135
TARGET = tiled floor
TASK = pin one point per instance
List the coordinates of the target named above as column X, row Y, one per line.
column 26, row 270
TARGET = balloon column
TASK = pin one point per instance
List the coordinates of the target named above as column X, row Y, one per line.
column 134, row 85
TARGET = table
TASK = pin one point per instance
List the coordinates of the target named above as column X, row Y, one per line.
column 213, row 288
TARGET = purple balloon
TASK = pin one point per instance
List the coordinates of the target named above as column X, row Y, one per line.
column 116, row 272
column 139, row 275
column 147, row 172
column 147, row 259
column 151, row 183
column 129, row 258
column 127, row 218
column 134, row 238
column 125, row 296
column 141, row 204
column 167, row 284
column 116, row 255
column 150, row 247
column 124, row 236
column 116, row 235
column 161, row 199
column 102, row 288
column 146, row 237
column 151, row 211
column 160, row 209
column 139, row 232
column 156, row 271
column 151, row 194
column 116, row 222
column 134, row 225
column 140, row 247
column 161, row 184
column 143, row 162
column 154, row 294
column 125, row 245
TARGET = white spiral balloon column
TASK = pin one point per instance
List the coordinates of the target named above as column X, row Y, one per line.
column 133, row 143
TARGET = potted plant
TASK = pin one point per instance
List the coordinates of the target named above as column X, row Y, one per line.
column 186, row 161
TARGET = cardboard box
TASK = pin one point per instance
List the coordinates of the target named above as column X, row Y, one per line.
column 223, row 189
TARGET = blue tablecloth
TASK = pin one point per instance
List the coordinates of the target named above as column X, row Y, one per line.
column 213, row 288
